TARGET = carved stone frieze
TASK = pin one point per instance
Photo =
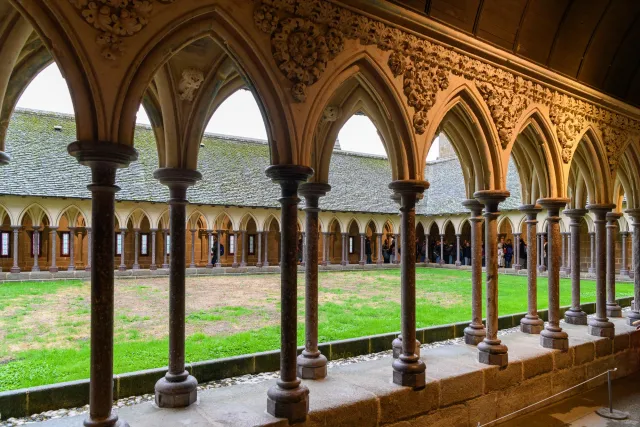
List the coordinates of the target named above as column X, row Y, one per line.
column 615, row 140
column 190, row 81
column 299, row 30
column 115, row 19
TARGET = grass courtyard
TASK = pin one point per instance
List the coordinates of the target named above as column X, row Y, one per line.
column 44, row 326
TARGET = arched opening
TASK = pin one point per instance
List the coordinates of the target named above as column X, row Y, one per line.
column 421, row 250
column 354, row 248
column 272, row 241
column 334, row 242
column 371, row 242
column 434, row 243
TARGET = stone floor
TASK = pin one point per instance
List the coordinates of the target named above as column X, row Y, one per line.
column 362, row 394
column 579, row 411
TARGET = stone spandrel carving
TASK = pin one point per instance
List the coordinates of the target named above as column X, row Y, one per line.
column 116, row 19
column 615, row 140
column 425, row 67
column 190, row 81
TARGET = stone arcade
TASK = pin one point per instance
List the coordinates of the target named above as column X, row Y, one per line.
column 554, row 89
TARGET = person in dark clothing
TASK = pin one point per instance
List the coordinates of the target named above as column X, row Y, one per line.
column 523, row 253
column 392, row 250
column 508, row 253
column 300, row 249
column 447, row 253
column 466, row 253
column 367, row 249
column 385, row 252
column 214, row 251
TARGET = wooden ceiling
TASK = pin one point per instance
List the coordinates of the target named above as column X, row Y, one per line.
column 596, row 42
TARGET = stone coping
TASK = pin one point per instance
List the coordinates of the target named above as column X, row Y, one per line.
column 28, row 276
column 24, row 402
column 459, row 391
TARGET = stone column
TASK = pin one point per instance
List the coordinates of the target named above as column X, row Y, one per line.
column 613, row 309
column 311, row 363
column 72, row 249
column 345, row 249
column 516, row 252
column 427, row 255
column 543, row 266
column 553, row 336
column 153, row 265
column 266, row 249
column 193, row 247
column 567, row 269
column 36, row 247
column 54, row 232
column 491, row 349
column 89, row 259
column 219, row 259
column 259, row 262
column 177, row 388
column 397, row 249
column 408, row 369
column 136, row 248
column 243, row 259
column 458, row 263
column 531, row 322
column 632, row 270
column 304, row 249
column 623, row 265
column 122, row 266
column 16, row 248
column 363, row 256
column 563, row 263
column 634, row 314
column 575, row 315
column 209, row 241
column 103, row 158
column 324, row 248
column 599, row 325
column 592, row 253
column 380, row 259
column 235, row 264
column 442, row 249
column 165, row 264
column 475, row 332
column 539, row 254
column 288, row 398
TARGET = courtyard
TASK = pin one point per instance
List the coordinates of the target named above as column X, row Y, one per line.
column 45, row 325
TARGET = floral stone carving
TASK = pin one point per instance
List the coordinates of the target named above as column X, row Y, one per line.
column 506, row 107
column 568, row 123
column 189, row 83
column 115, row 19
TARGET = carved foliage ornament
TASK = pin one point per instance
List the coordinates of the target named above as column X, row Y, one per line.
column 116, row 19
column 190, row 81
column 614, row 140
column 424, row 66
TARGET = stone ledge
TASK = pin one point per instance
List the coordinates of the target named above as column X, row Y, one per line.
column 17, row 403
column 362, row 394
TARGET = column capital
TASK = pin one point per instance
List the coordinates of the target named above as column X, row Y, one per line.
column 55, row 228
column 137, row 230
column 36, row 227
column 363, row 234
column 491, row 199
column 312, row 191
column 100, row 153
column 474, row 206
column 633, row 213
column 16, row 227
column 553, row 204
column 153, row 230
column 458, row 235
column 345, row 234
column 516, row 234
column 88, row 229
column 283, row 174
column 123, row 230
column 408, row 186
column 575, row 214
column 613, row 216
column 193, row 230
column 177, row 177
column 600, row 210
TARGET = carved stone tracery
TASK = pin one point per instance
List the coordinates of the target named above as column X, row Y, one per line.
column 116, row 19
column 425, row 67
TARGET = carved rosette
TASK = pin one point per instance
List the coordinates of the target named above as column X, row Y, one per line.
column 115, row 19
column 423, row 65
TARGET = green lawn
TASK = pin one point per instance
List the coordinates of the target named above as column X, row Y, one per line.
column 353, row 304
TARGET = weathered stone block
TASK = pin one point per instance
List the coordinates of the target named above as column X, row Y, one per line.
column 499, row 379
column 620, row 342
column 584, row 353
column 460, row 388
column 483, row 409
column 406, row 402
column 604, row 347
column 597, row 367
column 627, row 362
column 634, row 339
column 567, row 378
column 537, row 365
column 563, row 359
column 487, row 358
column 455, row 416
column 524, row 394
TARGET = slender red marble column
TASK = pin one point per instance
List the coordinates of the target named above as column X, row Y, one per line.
column 475, row 332
column 103, row 159
column 53, row 268
column 177, row 388
column 634, row 315
column 599, row 325
column 408, row 369
column 491, row 350
column 312, row 364
column 288, row 398
column 575, row 315
column 531, row 322
column 613, row 309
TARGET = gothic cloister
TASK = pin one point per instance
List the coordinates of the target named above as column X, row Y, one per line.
column 537, row 106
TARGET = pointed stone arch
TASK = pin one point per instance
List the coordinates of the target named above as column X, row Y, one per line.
column 73, row 213
column 245, row 220
column 590, row 159
column 136, row 216
column 36, row 213
column 269, row 220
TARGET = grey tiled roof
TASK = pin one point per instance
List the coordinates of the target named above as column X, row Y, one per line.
column 232, row 170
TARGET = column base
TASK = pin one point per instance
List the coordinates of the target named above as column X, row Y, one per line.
column 517, row 267
column 632, row 274
column 87, row 268
column 122, row 268
column 614, row 310
column 289, row 403
column 112, row 421
column 53, row 269
column 135, row 267
column 492, row 352
column 71, row 268
column 265, row 264
column 15, row 270
column 531, row 325
column 165, row 266
column 153, row 267
column 601, row 328
column 396, row 345
column 379, row 262
column 577, row 317
column 409, row 371
column 555, row 339
column 361, row 263
column 218, row 265
column 35, row 268
column 258, row 264
column 474, row 334
column 343, row 263
column 591, row 270
column 233, row 265
column 176, row 394
column 244, row 264
column 542, row 268
column 193, row 266
column 633, row 317
column 458, row 263
column 624, row 272
column 312, row 367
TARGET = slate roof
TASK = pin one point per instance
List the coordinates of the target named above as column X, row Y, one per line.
column 232, row 169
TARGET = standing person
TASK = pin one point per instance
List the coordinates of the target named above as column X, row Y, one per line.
column 214, row 251
column 385, row 251
column 545, row 254
column 392, row 250
column 436, row 251
column 367, row 249
column 508, row 254
column 523, row 253
column 466, row 252
column 501, row 254
column 300, row 249
column 424, row 251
